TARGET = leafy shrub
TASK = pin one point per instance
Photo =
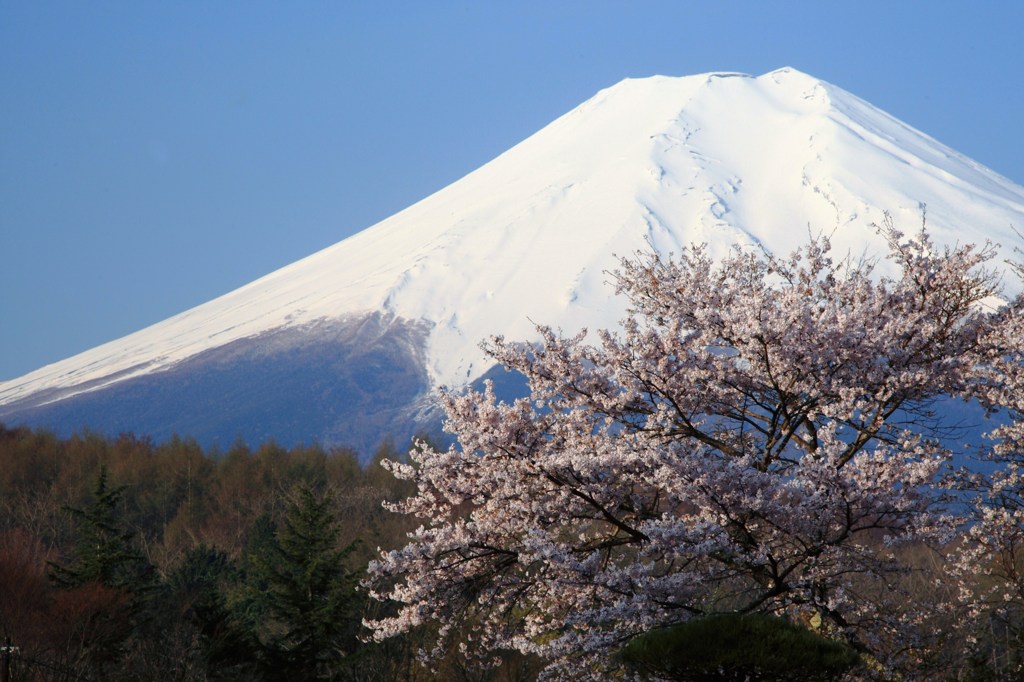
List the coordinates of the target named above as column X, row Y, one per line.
column 738, row 647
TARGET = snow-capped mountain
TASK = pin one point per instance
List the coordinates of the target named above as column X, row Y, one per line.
column 346, row 345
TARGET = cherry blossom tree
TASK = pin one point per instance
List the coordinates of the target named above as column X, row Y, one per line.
column 991, row 558
column 762, row 436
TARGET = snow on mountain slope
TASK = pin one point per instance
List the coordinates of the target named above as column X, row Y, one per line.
column 716, row 158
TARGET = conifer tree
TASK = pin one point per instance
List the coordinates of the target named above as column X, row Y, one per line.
column 109, row 573
column 105, row 553
column 308, row 596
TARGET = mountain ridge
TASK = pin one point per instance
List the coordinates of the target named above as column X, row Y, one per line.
column 719, row 158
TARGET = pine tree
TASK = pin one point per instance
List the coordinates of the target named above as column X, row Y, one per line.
column 105, row 552
column 200, row 586
column 113, row 578
column 308, row 597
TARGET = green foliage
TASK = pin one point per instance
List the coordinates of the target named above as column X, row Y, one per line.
column 738, row 647
column 111, row 576
column 105, row 553
column 199, row 587
column 304, row 592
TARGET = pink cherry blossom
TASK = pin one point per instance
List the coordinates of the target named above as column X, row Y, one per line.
column 758, row 437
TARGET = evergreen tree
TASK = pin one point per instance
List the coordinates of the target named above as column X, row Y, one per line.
column 306, row 594
column 113, row 577
column 105, row 553
column 200, row 586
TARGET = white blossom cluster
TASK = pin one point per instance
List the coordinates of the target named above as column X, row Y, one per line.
column 757, row 438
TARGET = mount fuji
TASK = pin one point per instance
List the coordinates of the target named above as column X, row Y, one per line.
column 347, row 345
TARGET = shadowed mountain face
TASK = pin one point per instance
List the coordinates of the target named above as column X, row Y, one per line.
column 355, row 382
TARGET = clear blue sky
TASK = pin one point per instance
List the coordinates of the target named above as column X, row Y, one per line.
column 154, row 155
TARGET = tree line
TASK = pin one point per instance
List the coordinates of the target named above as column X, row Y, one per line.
column 124, row 559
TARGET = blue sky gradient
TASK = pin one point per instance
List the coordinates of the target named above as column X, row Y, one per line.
column 155, row 155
